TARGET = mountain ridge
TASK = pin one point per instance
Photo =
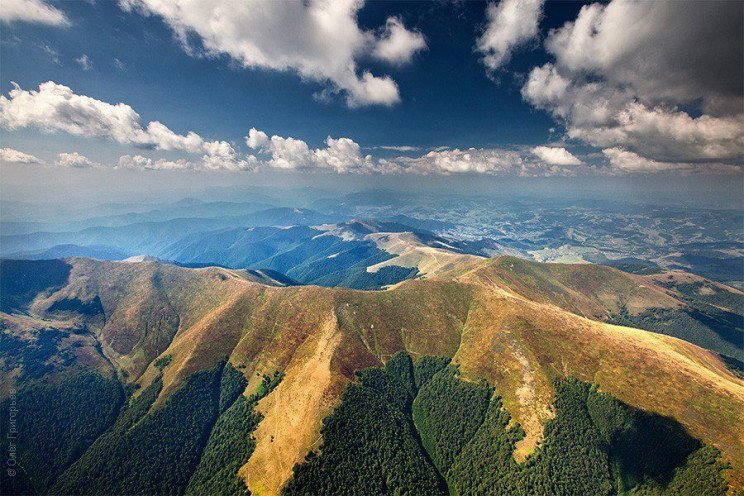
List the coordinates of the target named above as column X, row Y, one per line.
column 317, row 337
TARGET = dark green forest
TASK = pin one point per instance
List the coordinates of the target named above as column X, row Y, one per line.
column 370, row 445
column 417, row 428
column 83, row 436
column 231, row 443
column 407, row 428
column 56, row 424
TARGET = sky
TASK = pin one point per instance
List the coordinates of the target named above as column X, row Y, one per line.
column 95, row 92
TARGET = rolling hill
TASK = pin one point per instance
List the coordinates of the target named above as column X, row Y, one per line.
column 529, row 346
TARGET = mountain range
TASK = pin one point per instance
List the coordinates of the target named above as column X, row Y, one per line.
column 472, row 375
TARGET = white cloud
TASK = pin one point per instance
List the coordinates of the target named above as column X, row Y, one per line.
column 85, row 63
column 343, row 155
column 456, row 161
column 134, row 162
column 318, row 39
column 608, row 116
column 400, row 148
column 140, row 162
column 119, row 64
column 555, row 155
column 340, row 154
column 511, row 23
column 288, row 153
column 55, row 107
column 398, row 45
column 164, row 139
column 221, row 155
column 625, row 161
column 658, row 49
column 18, row 157
column 51, row 52
column 75, row 160
column 34, row 11
column 626, row 75
column 256, row 139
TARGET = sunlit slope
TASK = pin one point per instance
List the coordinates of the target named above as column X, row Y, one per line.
column 431, row 259
column 495, row 321
column 593, row 291
column 145, row 304
column 675, row 303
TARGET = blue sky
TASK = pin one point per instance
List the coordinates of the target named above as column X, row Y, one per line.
column 449, row 96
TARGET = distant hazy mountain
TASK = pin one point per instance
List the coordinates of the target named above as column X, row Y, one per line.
column 298, row 243
column 65, row 251
column 151, row 237
column 181, row 209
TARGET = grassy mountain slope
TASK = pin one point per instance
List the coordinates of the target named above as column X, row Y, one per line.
column 690, row 307
column 494, row 324
column 593, row 291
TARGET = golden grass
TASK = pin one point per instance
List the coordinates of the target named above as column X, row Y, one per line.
column 411, row 252
column 293, row 412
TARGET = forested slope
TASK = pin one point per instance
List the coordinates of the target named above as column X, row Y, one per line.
column 442, row 435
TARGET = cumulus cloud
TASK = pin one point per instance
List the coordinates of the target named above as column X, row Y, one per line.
column 658, row 49
column 539, row 161
column 75, row 160
column 320, row 40
column 55, row 107
column 18, row 157
column 343, row 155
column 456, row 161
column 626, row 75
column 555, row 155
column 511, row 23
column 622, row 160
column 221, row 155
column 340, row 155
column 163, row 138
column 256, row 139
column 607, row 116
column 397, row 44
column 140, row 162
column 85, row 63
column 34, row 11
column 288, row 153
